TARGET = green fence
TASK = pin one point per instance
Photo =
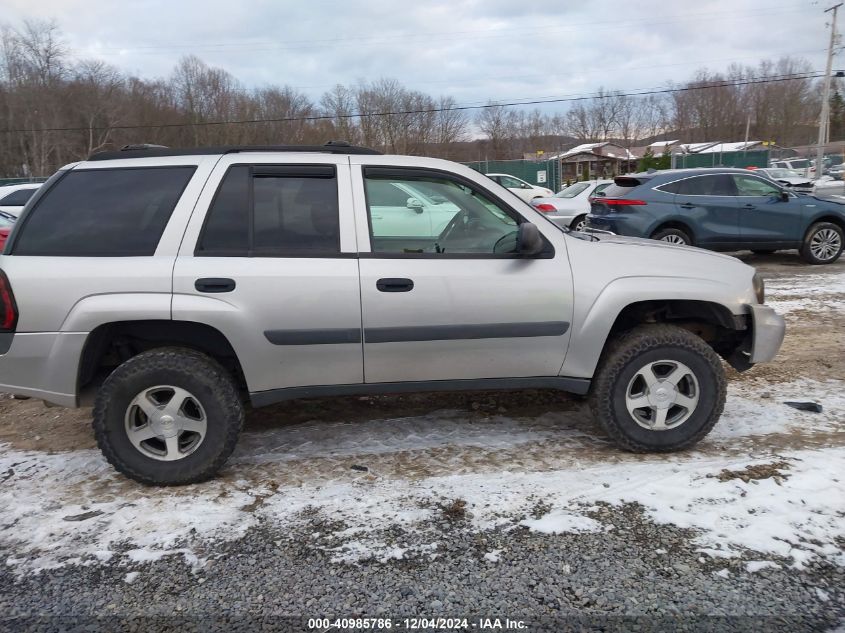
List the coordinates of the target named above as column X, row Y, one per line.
column 545, row 173
column 722, row 159
column 19, row 181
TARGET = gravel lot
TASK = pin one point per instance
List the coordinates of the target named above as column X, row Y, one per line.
column 476, row 505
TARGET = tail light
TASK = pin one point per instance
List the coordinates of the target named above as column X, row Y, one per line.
column 8, row 307
column 618, row 202
column 545, row 208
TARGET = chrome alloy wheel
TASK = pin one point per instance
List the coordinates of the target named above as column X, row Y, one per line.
column 166, row 423
column 825, row 244
column 673, row 239
column 662, row 395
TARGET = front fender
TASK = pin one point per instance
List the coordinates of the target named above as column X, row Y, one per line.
column 593, row 321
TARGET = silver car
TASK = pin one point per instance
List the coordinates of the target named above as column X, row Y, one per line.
column 171, row 287
column 570, row 206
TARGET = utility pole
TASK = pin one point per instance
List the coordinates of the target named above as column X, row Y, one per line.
column 825, row 114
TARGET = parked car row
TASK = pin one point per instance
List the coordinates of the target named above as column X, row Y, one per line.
column 524, row 190
column 721, row 210
column 570, row 206
column 14, row 197
column 7, row 222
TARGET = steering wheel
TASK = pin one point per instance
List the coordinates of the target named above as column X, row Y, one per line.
column 447, row 231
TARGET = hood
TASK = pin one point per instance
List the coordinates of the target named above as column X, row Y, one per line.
column 647, row 243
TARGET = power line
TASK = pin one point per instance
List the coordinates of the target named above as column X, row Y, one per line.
column 356, row 115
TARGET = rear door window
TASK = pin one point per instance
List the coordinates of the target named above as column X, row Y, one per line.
column 709, row 185
column 274, row 211
column 512, row 183
column 103, row 212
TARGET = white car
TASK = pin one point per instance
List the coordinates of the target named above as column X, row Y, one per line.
column 402, row 210
column 14, row 197
column 789, row 177
column 570, row 206
column 824, row 186
column 801, row 165
column 524, row 190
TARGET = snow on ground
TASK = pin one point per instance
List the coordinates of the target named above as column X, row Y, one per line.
column 817, row 292
column 71, row 508
column 544, row 473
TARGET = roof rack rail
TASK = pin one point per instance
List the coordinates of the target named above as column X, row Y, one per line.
column 129, row 148
column 145, row 150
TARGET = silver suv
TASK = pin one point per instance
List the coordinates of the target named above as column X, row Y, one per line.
column 172, row 287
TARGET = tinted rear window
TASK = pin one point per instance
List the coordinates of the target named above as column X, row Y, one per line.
column 617, row 191
column 709, row 185
column 18, row 198
column 294, row 212
column 103, row 212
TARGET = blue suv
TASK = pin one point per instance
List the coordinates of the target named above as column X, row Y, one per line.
column 722, row 210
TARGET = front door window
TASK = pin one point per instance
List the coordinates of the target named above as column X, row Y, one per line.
column 436, row 215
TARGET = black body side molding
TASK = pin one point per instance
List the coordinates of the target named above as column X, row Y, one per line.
column 578, row 386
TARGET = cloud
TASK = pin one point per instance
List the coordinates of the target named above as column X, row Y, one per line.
column 474, row 50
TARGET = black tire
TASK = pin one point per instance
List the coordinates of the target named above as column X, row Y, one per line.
column 762, row 251
column 633, row 350
column 814, row 232
column 581, row 219
column 204, row 378
column 662, row 234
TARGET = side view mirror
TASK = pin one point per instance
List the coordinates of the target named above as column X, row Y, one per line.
column 784, row 196
column 529, row 242
column 524, row 186
column 414, row 205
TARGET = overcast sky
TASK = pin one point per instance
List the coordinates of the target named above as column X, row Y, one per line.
column 474, row 50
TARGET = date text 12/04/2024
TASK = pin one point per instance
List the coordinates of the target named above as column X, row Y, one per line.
column 412, row 624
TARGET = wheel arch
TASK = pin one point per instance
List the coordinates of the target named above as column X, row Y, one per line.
column 674, row 223
column 824, row 217
column 110, row 344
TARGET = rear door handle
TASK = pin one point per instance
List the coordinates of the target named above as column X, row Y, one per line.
column 395, row 284
column 214, row 284
column 687, row 205
column 750, row 206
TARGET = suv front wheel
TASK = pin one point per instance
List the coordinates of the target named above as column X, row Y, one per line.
column 659, row 388
column 823, row 243
column 168, row 416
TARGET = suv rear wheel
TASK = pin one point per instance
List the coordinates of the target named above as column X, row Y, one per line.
column 823, row 243
column 169, row 416
column 659, row 388
column 673, row 236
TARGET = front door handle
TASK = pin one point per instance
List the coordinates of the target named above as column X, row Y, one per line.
column 214, row 284
column 687, row 205
column 395, row 284
column 750, row 206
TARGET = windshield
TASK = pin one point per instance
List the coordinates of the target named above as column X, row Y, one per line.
column 572, row 190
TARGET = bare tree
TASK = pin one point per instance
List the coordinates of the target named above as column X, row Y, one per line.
column 57, row 109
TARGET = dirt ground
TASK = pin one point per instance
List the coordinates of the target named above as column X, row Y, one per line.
column 813, row 349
